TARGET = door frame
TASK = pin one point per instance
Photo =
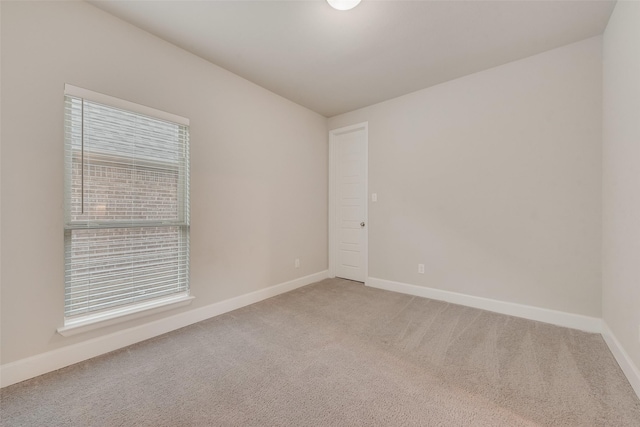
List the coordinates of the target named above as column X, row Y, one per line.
column 332, row 195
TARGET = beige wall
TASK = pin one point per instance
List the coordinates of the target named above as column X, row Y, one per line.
column 493, row 181
column 621, row 172
column 258, row 168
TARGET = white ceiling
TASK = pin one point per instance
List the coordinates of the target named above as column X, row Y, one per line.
column 333, row 62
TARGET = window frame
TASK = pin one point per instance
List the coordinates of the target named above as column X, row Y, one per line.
column 95, row 319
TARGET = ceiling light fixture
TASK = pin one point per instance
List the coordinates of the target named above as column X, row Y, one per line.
column 343, row 4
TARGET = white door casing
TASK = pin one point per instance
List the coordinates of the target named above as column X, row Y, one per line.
column 348, row 227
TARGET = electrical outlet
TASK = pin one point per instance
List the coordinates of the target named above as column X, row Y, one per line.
column 374, row 197
column 421, row 268
column 297, row 263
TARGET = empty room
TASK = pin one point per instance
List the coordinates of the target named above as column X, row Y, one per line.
column 320, row 213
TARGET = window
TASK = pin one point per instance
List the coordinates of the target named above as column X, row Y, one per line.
column 126, row 208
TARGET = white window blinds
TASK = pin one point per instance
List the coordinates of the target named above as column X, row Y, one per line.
column 126, row 203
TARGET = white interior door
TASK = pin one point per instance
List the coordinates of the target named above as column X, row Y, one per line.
column 349, row 158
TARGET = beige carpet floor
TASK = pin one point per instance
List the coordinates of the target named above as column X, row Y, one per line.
column 337, row 353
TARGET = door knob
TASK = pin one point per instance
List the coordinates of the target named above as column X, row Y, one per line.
column 362, row 224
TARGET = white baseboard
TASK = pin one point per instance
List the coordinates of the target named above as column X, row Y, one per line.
column 30, row 367
column 630, row 370
column 568, row 320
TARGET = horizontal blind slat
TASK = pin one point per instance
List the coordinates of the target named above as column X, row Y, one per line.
column 112, row 275
column 128, row 294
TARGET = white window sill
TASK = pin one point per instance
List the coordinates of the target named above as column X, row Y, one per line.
column 90, row 322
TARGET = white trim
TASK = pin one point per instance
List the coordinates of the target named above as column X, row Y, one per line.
column 111, row 101
column 560, row 318
column 74, row 326
column 332, row 191
column 332, row 212
column 30, row 367
column 630, row 370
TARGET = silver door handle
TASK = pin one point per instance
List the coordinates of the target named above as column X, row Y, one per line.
column 362, row 224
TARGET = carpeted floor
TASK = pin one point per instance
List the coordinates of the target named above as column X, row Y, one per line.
column 337, row 353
